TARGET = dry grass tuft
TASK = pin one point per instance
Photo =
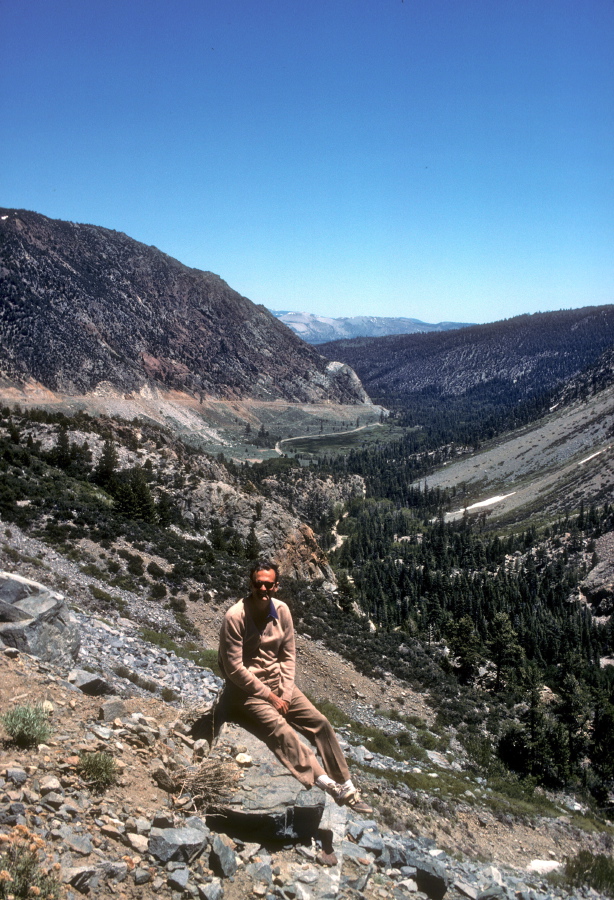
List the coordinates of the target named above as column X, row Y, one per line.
column 213, row 781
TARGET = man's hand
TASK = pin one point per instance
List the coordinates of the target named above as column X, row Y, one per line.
column 280, row 705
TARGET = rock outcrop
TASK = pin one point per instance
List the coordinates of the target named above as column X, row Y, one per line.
column 36, row 620
column 598, row 586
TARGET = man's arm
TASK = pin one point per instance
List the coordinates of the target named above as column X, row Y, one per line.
column 286, row 655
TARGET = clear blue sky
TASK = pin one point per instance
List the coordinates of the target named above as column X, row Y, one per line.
column 438, row 159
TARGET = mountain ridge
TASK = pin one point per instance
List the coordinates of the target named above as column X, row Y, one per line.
column 84, row 304
column 315, row 329
column 532, row 352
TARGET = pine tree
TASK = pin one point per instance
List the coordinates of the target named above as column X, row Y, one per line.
column 166, row 510
column 252, row 545
column 61, row 452
column 574, row 712
column 133, row 497
column 107, row 464
column 503, row 646
column 466, row 647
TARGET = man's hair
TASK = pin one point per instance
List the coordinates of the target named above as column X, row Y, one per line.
column 261, row 565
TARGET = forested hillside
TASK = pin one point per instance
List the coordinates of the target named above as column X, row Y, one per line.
column 499, row 613
column 471, row 383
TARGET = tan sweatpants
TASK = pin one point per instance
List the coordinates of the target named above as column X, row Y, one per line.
column 278, row 732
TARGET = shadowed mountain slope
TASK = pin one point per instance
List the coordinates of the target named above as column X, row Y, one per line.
column 83, row 304
column 527, row 355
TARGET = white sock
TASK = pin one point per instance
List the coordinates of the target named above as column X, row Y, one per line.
column 323, row 780
column 348, row 785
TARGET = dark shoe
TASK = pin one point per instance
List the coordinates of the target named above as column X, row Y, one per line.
column 349, row 797
column 356, row 803
column 326, row 859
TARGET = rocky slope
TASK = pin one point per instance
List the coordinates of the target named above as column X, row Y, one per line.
column 208, row 498
column 143, row 835
column 83, row 305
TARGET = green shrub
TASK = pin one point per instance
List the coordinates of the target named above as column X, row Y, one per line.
column 379, row 742
column 109, row 599
column 99, row 770
column 135, row 565
column 155, row 570
column 157, row 591
column 207, row 659
column 594, row 870
column 148, row 684
column 479, row 750
column 178, row 604
column 334, row 715
column 169, row 695
column 25, row 871
column 125, row 583
column 159, row 638
column 409, row 748
column 93, row 570
column 513, row 787
column 27, row 725
column 186, row 624
column 427, row 740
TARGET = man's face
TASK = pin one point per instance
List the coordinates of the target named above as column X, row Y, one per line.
column 264, row 584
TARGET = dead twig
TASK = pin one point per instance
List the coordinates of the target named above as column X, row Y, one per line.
column 211, row 782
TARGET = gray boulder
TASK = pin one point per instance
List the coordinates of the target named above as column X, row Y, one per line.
column 372, row 841
column 222, row 858
column 211, row 891
column 494, row 892
column 178, row 880
column 36, row 620
column 89, row 683
column 269, row 804
column 181, row 844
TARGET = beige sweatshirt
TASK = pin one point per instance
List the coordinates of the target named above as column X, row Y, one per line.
column 259, row 662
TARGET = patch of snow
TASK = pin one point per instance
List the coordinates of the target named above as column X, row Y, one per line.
column 543, row 866
column 592, row 456
column 490, row 501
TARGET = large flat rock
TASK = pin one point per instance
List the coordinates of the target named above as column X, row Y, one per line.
column 270, row 803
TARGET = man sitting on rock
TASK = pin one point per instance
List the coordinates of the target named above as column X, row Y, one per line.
column 257, row 656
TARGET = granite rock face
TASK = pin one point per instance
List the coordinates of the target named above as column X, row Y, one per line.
column 36, row 620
